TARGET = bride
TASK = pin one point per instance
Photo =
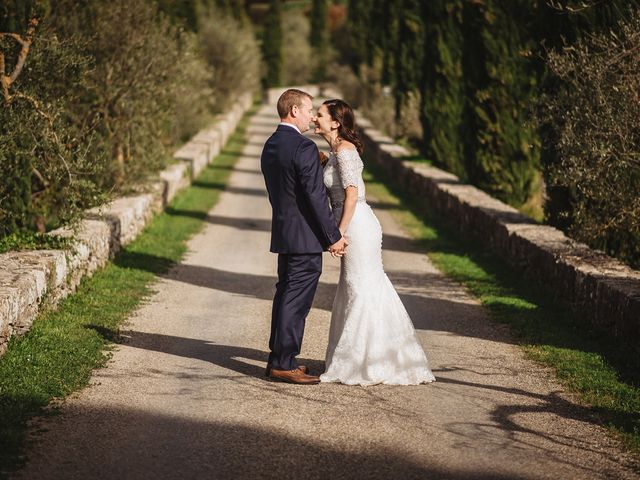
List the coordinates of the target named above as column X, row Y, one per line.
column 371, row 337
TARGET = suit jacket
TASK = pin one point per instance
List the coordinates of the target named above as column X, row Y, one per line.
column 302, row 221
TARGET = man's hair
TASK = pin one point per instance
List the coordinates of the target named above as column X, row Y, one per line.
column 290, row 98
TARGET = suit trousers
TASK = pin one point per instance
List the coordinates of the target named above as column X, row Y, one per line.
column 298, row 276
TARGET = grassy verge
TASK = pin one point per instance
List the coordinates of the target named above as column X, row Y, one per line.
column 604, row 378
column 59, row 353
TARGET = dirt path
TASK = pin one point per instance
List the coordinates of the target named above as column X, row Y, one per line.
column 185, row 395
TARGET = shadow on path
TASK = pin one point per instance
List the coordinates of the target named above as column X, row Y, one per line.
column 141, row 444
column 426, row 309
column 504, row 421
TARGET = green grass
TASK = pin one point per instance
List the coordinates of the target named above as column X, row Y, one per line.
column 63, row 347
column 605, row 377
column 25, row 240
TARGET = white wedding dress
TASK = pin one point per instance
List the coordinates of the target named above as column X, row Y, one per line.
column 371, row 337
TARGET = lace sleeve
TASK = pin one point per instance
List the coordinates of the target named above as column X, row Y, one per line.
column 349, row 167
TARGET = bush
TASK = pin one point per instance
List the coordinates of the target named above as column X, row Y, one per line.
column 594, row 119
column 47, row 175
column 132, row 91
column 231, row 50
column 299, row 60
column 109, row 87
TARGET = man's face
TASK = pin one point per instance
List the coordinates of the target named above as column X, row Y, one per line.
column 305, row 115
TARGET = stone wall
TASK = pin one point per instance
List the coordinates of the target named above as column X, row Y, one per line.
column 601, row 288
column 30, row 280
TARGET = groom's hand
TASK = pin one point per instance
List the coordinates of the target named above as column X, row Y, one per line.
column 338, row 248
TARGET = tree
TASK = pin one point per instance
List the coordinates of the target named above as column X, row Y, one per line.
column 409, row 51
column 592, row 118
column 442, row 89
column 359, row 33
column 319, row 37
column 272, row 44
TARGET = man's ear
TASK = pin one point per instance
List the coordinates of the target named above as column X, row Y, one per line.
column 295, row 110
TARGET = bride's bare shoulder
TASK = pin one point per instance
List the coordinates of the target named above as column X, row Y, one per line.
column 345, row 145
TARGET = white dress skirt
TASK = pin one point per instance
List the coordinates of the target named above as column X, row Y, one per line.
column 371, row 337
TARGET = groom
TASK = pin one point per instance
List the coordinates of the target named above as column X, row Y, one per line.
column 302, row 227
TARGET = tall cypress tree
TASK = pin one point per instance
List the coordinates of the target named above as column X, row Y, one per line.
column 384, row 28
column 319, row 37
column 502, row 155
column 442, row 87
column 409, row 52
column 360, row 35
column 272, row 44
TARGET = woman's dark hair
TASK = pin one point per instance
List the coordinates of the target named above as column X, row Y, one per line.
column 342, row 113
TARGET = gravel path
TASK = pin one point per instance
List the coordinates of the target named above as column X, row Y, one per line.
column 185, row 394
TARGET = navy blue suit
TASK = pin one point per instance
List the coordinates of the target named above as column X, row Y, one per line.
column 302, row 227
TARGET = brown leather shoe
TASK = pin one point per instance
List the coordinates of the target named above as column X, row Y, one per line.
column 302, row 368
column 293, row 376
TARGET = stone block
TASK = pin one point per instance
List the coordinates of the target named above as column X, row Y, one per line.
column 175, row 177
column 196, row 155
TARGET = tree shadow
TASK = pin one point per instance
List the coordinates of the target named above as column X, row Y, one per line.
column 225, row 356
column 129, row 442
column 505, row 416
column 235, row 169
column 259, row 192
column 427, row 309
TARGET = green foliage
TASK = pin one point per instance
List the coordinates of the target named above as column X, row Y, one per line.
column 24, row 240
column 443, row 91
column 503, row 158
column 95, row 109
column 384, row 19
column 131, row 91
column 15, row 14
column 319, row 37
column 48, row 177
column 477, row 88
column 231, row 50
column 478, row 69
column 272, row 45
column 593, row 121
column 109, row 88
column 409, row 50
column 189, row 12
column 299, row 60
column 360, row 41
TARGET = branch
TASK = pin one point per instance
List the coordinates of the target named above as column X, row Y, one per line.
column 4, row 80
column 25, row 43
column 50, row 121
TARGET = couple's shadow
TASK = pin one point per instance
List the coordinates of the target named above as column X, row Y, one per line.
column 243, row 360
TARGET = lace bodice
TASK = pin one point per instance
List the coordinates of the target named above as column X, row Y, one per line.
column 341, row 170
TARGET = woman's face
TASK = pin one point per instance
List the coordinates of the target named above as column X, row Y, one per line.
column 324, row 123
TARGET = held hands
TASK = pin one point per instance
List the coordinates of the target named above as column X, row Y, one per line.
column 337, row 249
